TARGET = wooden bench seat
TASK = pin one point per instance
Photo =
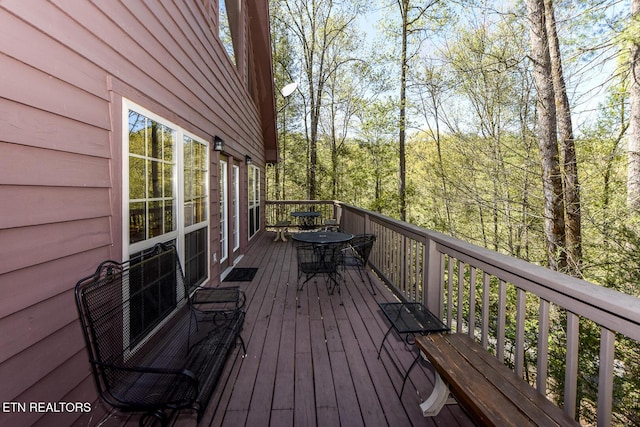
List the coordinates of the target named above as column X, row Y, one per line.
column 491, row 393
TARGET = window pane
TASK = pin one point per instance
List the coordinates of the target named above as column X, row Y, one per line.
column 152, row 177
column 188, row 214
column 195, row 181
column 137, row 133
column 225, row 28
column 201, row 209
column 156, row 219
column 137, row 181
column 168, row 143
column 152, row 295
column 196, row 255
column 137, row 222
column 169, row 219
column 168, row 181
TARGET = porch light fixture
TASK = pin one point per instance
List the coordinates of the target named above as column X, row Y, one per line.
column 218, row 143
column 247, row 159
column 286, row 92
column 289, row 89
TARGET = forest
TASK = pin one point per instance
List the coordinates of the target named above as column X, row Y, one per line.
column 512, row 125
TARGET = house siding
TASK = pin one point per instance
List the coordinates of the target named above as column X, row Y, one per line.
column 65, row 67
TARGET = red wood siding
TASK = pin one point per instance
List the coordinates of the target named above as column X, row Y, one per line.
column 64, row 68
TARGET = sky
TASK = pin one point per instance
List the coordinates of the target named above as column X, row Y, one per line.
column 587, row 87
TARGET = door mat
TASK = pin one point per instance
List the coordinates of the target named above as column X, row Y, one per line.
column 241, row 275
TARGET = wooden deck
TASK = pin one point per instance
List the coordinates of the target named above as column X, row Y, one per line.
column 315, row 363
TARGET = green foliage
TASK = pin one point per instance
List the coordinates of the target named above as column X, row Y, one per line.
column 473, row 166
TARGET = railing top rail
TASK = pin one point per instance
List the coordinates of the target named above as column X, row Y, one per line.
column 299, row 202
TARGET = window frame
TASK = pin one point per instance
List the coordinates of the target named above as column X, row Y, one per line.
column 236, row 207
column 180, row 231
column 253, row 204
column 224, row 210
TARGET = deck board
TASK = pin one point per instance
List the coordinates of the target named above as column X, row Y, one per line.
column 312, row 361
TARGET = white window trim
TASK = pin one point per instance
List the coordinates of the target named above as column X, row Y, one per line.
column 236, row 207
column 255, row 183
column 224, row 210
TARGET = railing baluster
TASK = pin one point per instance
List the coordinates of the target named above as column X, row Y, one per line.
column 520, row 323
column 441, row 286
column 403, row 264
column 472, row 302
column 414, row 271
column 460, row 304
column 450, row 292
column 502, row 316
column 486, row 300
column 543, row 347
column 571, row 371
column 605, row 377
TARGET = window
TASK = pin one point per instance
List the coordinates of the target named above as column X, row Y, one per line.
column 224, row 213
column 225, row 25
column 166, row 199
column 254, row 200
column 196, row 210
column 236, row 207
column 151, row 179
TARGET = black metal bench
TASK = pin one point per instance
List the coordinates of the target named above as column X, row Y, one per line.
column 156, row 345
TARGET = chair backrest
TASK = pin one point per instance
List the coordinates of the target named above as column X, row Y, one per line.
column 111, row 300
column 362, row 245
column 319, row 258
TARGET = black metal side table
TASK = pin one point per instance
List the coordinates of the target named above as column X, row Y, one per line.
column 408, row 319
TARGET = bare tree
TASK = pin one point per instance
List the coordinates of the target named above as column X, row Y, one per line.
column 411, row 15
column 318, row 27
column 567, row 146
column 554, row 224
column 633, row 171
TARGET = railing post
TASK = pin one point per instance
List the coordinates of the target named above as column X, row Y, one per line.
column 432, row 278
column 366, row 227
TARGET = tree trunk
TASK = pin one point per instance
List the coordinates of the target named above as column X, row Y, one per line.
column 554, row 224
column 633, row 171
column 568, row 149
column 404, row 10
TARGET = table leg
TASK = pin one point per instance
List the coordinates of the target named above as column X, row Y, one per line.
column 384, row 339
column 406, row 375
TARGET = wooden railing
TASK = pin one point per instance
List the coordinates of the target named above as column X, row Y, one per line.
column 276, row 212
column 490, row 296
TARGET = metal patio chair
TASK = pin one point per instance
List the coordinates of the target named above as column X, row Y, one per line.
column 356, row 255
column 324, row 259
